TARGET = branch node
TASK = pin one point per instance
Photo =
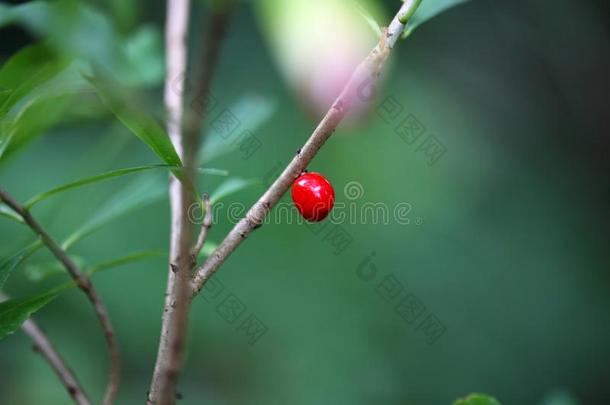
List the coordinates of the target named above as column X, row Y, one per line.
column 339, row 106
column 252, row 223
column 205, row 227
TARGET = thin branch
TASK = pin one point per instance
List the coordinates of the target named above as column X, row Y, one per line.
column 84, row 283
column 362, row 79
column 196, row 114
column 43, row 345
column 205, row 227
column 184, row 131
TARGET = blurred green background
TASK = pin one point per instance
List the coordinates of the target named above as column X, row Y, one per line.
column 506, row 245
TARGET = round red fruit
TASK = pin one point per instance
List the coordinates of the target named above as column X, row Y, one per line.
column 313, row 195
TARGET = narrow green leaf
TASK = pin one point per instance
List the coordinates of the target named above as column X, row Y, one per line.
column 145, row 64
column 88, row 33
column 21, row 67
column 143, row 126
column 34, row 15
column 427, row 10
column 123, row 260
column 43, row 271
column 8, row 265
column 215, row 172
column 26, row 70
column 34, row 97
column 370, row 20
column 32, row 119
column 43, row 75
column 231, row 186
column 39, row 272
column 127, row 13
column 90, row 180
column 477, row 399
column 252, row 111
column 14, row 312
column 139, row 123
column 107, row 176
column 7, row 212
column 141, row 192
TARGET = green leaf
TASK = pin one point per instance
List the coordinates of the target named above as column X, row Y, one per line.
column 83, row 31
column 123, row 260
column 215, row 172
column 14, row 312
column 144, row 54
column 207, row 250
column 252, row 111
column 477, row 399
column 39, row 272
column 33, row 15
column 32, row 120
column 141, row 192
column 90, row 180
column 231, row 186
column 6, row 211
column 43, row 271
column 26, row 70
column 139, row 123
column 370, row 20
column 125, row 12
column 34, row 97
column 427, row 10
column 8, row 265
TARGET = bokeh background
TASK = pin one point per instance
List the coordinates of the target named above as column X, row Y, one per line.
column 507, row 244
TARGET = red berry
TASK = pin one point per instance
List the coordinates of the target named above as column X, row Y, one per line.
column 313, row 195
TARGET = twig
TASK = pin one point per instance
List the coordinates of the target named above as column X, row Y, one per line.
column 364, row 75
column 43, row 345
column 84, row 283
column 195, row 116
column 184, row 131
column 205, row 227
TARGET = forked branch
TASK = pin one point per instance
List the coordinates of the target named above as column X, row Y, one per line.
column 205, row 227
column 84, row 283
column 362, row 80
column 184, row 129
